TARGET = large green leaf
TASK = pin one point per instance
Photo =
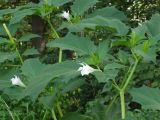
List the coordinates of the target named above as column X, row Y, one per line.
column 147, row 97
column 72, row 85
column 19, row 15
column 28, row 36
column 9, row 10
column 148, row 56
column 71, row 42
column 110, row 72
column 113, row 65
column 12, row 28
column 80, row 6
column 58, row 2
column 102, row 50
column 32, row 68
column 39, row 75
column 31, row 51
column 48, row 101
column 5, row 76
column 4, row 40
column 7, row 56
column 115, row 24
column 151, row 27
column 109, row 12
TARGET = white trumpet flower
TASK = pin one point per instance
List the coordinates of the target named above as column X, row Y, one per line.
column 85, row 69
column 66, row 15
column 17, row 81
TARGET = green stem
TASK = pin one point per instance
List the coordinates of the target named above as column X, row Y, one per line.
column 53, row 115
column 12, row 40
column 130, row 75
column 59, row 110
column 8, row 109
column 122, row 90
column 126, row 76
column 60, row 56
column 123, row 111
column 57, row 36
column 19, row 55
column 44, row 116
column 8, row 33
column 59, row 59
column 54, row 31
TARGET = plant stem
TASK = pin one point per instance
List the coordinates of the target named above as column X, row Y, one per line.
column 53, row 114
column 60, row 56
column 8, row 109
column 19, row 55
column 44, row 116
column 126, row 76
column 59, row 110
column 12, row 40
column 130, row 75
column 123, row 111
column 54, row 31
column 122, row 90
column 57, row 36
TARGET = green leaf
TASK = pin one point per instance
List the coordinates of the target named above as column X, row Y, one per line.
column 48, row 101
column 109, row 12
column 80, row 6
column 72, row 85
column 18, row 8
column 140, row 31
column 39, row 75
column 28, row 36
column 147, row 97
column 12, row 28
column 115, row 24
column 14, row 92
column 7, row 56
column 151, row 27
column 130, row 116
column 111, row 66
column 123, row 56
column 3, row 40
column 31, row 51
column 5, row 76
column 19, row 15
column 149, row 55
column 102, row 50
column 100, row 76
column 110, row 72
column 59, row 2
column 71, row 42
column 32, row 67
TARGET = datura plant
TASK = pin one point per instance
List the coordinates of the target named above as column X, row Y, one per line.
column 109, row 54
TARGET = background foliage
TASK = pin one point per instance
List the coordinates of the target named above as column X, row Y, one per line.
column 108, row 35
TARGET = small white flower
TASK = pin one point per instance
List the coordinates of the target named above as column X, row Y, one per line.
column 66, row 15
column 86, row 69
column 17, row 81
